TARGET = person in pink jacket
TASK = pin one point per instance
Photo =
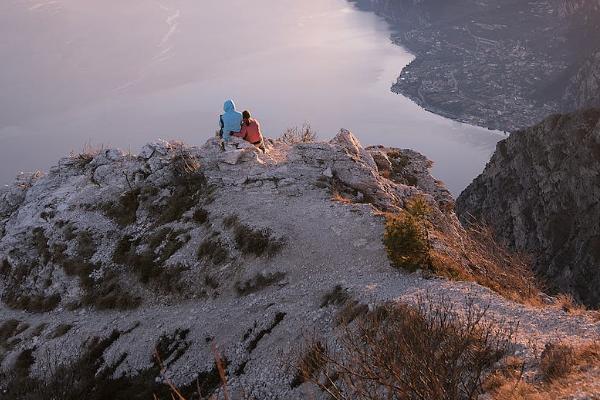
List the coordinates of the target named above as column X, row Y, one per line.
column 251, row 131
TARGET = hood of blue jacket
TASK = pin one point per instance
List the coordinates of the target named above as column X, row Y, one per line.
column 229, row 106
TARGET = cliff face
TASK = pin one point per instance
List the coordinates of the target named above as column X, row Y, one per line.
column 584, row 88
column 540, row 193
column 500, row 64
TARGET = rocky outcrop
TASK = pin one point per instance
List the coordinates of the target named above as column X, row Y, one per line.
column 540, row 193
column 188, row 252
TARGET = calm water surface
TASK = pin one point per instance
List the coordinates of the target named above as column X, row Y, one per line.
column 122, row 73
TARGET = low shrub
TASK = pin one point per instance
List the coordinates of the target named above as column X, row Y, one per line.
column 24, row 361
column 60, row 330
column 213, row 250
column 337, row 296
column 5, row 268
column 295, row 135
column 258, row 283
column 187, row 192
column 231, row 221
column 402, row 352
column 200, row 216
column 399, row 172
column 40, row 243
column 8, row 329
column 37, row 303
column 124, row 212
column 86, row 246
column 556, row 361
column 406, row 243
column 256, row 242
column 351, row 310
column 108, row 294
column 406, row 237
column 148, row 264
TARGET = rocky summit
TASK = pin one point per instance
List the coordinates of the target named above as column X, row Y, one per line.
column 192, row 266
column 540, row 193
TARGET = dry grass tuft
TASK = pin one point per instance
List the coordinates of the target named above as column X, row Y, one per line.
column 213, row 250
column 337, row 296
column 295, row 135
column 86, row 155
column 200, row 216
column 475, row 255
column 565, row 372
column 340, row 197
column 568, row 304
column 259, row 282
column 60, row 330
column 556, row 361
column 351, row 310
column 257, row 242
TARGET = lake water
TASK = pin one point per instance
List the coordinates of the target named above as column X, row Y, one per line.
column 123, row 73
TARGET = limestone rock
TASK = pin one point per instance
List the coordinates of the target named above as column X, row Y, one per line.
column 179, row 247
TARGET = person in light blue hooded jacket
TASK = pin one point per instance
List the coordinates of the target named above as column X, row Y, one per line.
column 231, row 121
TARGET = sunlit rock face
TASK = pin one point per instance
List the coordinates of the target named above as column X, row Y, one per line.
column 540, row 193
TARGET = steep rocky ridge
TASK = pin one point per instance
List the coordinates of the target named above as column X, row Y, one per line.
column 540, row 193
column 187, row 248
column 499, row 64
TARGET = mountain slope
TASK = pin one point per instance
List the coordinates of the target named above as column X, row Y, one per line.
column 190, row 250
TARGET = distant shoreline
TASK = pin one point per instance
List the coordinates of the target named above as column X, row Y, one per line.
column 478, row 73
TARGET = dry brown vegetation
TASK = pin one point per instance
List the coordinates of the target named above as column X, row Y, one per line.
column 337, row 296
column 249, row 241
column 60, row 330
column 123, row 212
column 475, row 255
column 8, row 330
column 258, row 282
column 470, row 254
column 564, row 371
column 295, row 135
column 86, row 155
column 567, row 303
column 214, row 250
column 396, row 351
